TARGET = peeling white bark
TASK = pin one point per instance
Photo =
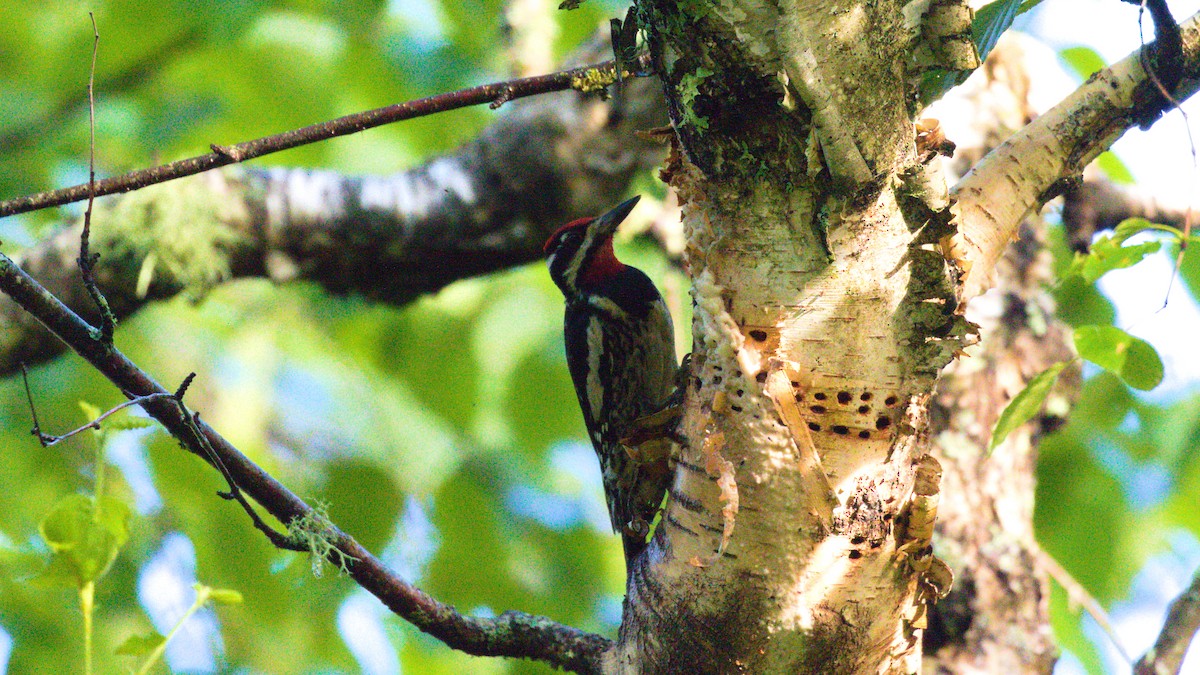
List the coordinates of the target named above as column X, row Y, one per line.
column 1013, row 179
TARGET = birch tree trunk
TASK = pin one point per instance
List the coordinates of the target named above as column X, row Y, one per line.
column 824, row 310
column 830, row 275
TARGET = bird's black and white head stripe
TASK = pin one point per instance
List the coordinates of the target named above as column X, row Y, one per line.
column 580, row 252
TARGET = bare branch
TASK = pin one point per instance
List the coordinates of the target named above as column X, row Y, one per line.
column 1182, row 624
column 48, row 440
column 486, row 206
column 1020, row 175
column 1165, row 62
column 87, row 260
column 585, row 78
column 511, row 634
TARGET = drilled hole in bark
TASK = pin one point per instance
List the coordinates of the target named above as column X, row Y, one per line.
column 864, row 409
column 741, row 392
column 813, row 426
column 844, row 397
column 890, row 401
column 818, row 409
column 866, row 396
column 882, row 423
column 820, row 396
column 839, row 429
column 735, row 408
column 761, row 376
column 864, row 434
column 855, row 555
column 760, row 335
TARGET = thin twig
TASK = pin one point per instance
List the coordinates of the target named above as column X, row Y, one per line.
column 37, row 427
column 48, row 440
column 1178, row 631
column 1078, row 595
column 513, row 634
column 1165, row 70
column 1165, row 66
column 192, row 423
column 585, row 78
column 87, row 260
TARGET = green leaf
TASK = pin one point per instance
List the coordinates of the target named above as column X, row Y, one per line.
column 1108, row 254
column 1083, row 60
column 1189, row 268
column 1114, row 168
column 1025, row 404
column 225, row 596
column 140, row 645
column 991, row 21
column 1080, row 303
column 1130, row 358
column 989, row 24
column 90, row 411
column 85, row 536
column 126, row 422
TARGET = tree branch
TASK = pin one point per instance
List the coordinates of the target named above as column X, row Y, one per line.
column 489, row 205
column 512, row 634
column 1022, row 173
column 1183, row 621
column 584, row 78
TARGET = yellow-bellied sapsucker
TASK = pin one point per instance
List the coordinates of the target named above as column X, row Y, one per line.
column 621, row 353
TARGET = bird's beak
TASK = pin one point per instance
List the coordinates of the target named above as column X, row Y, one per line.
column 606, row 225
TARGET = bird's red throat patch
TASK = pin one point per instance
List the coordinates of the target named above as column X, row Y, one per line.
column 603, row 265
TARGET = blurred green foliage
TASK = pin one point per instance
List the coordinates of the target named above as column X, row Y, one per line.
column 1118, row 482
column 419, row 427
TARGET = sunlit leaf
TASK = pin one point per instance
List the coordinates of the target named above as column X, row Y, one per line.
column 1083, row 60
column 225, row 596
column 1131, row 226
column 1109, row 252
column 90, row 411
column 1114, row 168
column 991, row 21
column 1105, row 257
column 1189, row 269
column 1130, row 358
column 125, row 422
column 1025, row 404
column 86, row 534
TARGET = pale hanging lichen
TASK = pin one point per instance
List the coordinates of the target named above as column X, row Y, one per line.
column 314, row 531
column 178, row 234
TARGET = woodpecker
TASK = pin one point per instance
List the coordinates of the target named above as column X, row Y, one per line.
column 621, row 353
